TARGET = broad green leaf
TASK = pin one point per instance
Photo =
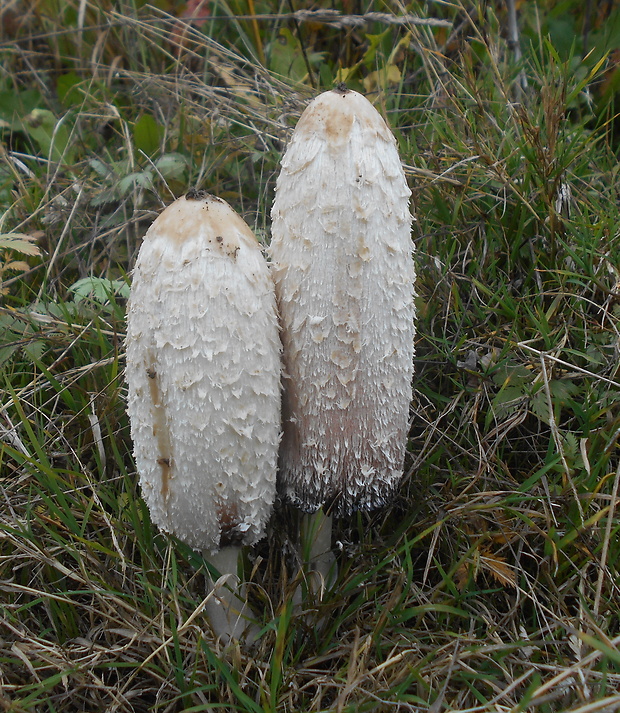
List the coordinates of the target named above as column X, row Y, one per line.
column 50, row 134
column 374, row 42
column 15, row 104
column 147, row 135
column 286, row 57
column 172, row 165
column 68, row 91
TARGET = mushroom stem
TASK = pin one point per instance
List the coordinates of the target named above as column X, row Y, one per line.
column 227, row 609
column 319, row 560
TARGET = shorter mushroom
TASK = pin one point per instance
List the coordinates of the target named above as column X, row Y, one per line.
column 203, row 370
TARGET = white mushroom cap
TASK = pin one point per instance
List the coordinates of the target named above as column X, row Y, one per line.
column 203, row 369
column 343, row 267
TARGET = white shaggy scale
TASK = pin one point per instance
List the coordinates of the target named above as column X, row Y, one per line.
column 344, row 273
column 203, row 369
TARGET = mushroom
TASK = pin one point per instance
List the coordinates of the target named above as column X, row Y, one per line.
column 344, row 273
column 203, row 370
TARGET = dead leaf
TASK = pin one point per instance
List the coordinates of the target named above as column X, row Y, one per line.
column 497, row 567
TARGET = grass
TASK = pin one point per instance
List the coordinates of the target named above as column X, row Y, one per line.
column 491, row 583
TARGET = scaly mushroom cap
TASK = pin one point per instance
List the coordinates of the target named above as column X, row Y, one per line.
column 343, row 267
column 203, row 369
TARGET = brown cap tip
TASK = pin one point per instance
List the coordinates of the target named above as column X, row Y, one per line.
column 196, row 194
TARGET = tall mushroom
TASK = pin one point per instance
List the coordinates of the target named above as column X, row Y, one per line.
column 203, row 370
column 344, row 273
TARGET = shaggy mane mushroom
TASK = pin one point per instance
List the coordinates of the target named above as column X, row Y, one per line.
column 203, row 370
column 344, row 273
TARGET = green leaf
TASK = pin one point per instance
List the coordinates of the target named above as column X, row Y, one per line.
column 108, row 195
column 147, row 135
column 286, row 57
column 539, row 406
column 172, row 165
column 562, row 390
column 34, row 350
column 99, row 289
column 512, row 374
column 14, row 105
column 6, row 353
column 67, row 89
column 142, row 179
column 99, row 167
column 374, row 43
column 562, row 34
column 50, row 134
column 506, row 401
